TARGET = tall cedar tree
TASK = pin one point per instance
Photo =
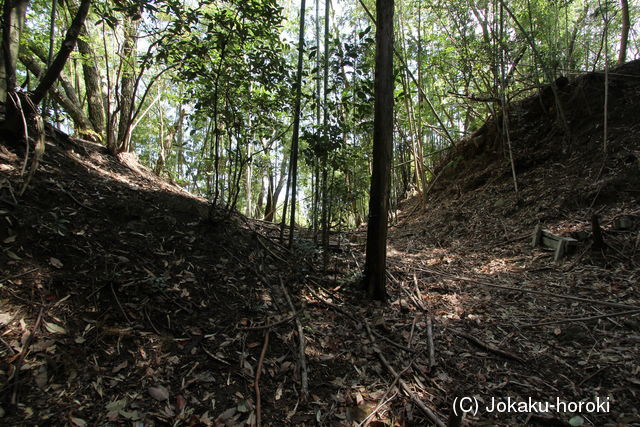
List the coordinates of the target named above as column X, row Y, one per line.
column 376, row 258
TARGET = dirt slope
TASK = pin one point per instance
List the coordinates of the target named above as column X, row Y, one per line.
column 131, row 294
column 469, row 251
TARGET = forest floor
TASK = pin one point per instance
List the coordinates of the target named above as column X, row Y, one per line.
column 122, row 300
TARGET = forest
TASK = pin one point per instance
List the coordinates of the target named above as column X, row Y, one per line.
column 347, row 212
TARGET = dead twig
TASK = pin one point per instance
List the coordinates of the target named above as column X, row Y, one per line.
column 417, row 401
column 529, row 291
column 257, row 381
column 74, row 199
column 304, row 376
column 432, row 350
column 214, row 357
column 490, row 347
column 594, row 374
column 356, row 320
column 23, row 354
column 583, row 319
column 379, row 406
column 113, row 291
column 146, row 313
column 395, row 344
column 15, row 276
column 269, row 250
column 268, row 325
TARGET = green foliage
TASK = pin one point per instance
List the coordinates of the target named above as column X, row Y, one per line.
column 220, row 79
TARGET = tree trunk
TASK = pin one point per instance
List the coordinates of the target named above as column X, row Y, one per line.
column 274, row 193
column 248, row 184
column 70, row 92
column 325, row 124
column 624, row 33
column 375, row 263
column 68, row 44
column 92, row 79
column 80, row 121
column 166, row 139
column 127, row 83
column 13, row 20
column 269, row 209
column 296, row 125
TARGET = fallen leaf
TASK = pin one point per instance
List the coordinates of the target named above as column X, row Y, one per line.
column 5, row 319
column 13, row 256
column 10, row 239
column 576, row 421
column 41, row 377
column 79, row 422
column 159, row 393
column 55, row 262
column 227, row 414
column 54, row 329
column 120, row 367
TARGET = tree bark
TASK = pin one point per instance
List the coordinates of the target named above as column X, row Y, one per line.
column 325, row 125
column 68, row 88
column 127, row 83
column 376, row 252
column 80, row 121
column 68, row 44
column 624, row 33
column 92, row 79
column 296, row 124
column 13, row 14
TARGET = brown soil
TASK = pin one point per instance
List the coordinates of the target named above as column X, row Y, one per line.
column 136, row 301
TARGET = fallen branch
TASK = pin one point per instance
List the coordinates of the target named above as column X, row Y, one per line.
column 269, row 250
column 356, row 320
column 74, row 199
column 583, row 319
column 257, row 381
column 418, row 402
column 379, row 406
column 269, row 325
column 489, row 347
column 304, row 376
column 15, row 276
column 529, row 291
column 395, row 344
column 432, row 350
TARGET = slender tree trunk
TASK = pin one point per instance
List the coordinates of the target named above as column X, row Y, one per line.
column 624, row 33
column 52, row 40
column 248, row 184
column 296, row 125
column 70, row 91
column 127, row 83
column 13, row 20
column 269, row 206
column 325, row 125
column 68, row 44
column 166, row 139
column 316, row 164
column 80, row 120
column 376, row 256
column 92, row 79
column 257, row 213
